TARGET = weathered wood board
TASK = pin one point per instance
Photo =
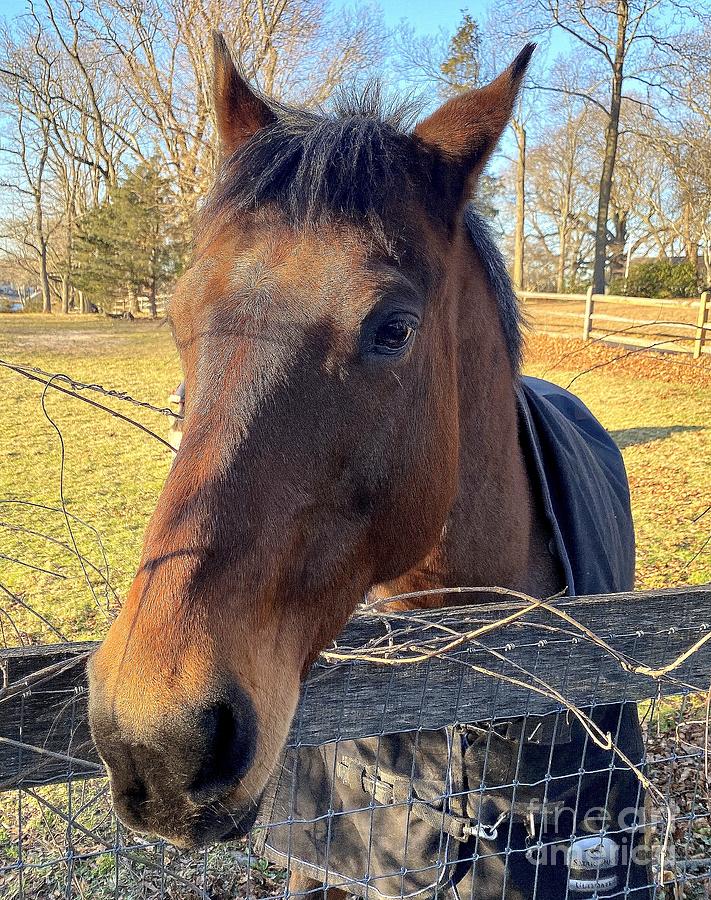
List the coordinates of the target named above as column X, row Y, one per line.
column 44, row 736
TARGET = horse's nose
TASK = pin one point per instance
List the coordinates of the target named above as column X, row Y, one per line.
column 162, row 768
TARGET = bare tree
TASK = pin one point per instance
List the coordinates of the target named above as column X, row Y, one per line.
column 622, row 36
column 161, row 55
column 28, row 149
column 686, row 144
column 94, row 88
column 561, row 196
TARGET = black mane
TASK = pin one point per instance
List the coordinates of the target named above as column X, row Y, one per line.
column 347, row 163
column 355, row 163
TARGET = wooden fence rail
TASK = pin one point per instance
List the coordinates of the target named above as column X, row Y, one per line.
column 592, row 315
column 44, row 735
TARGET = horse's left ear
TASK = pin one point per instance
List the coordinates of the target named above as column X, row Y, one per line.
column 467, row 128
column 239, row 111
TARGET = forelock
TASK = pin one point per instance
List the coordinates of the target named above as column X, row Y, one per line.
column 355, row 162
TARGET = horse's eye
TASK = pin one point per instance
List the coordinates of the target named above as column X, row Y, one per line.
column 394, row 334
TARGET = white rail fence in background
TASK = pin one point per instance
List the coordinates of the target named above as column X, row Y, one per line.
column 620, row 327
column 119, row 307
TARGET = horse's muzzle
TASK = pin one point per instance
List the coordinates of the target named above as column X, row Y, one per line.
column 177, row 772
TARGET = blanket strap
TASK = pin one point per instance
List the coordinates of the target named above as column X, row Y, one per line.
column 390, row 789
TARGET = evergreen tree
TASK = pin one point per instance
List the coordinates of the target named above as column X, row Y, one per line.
column 131, row 243
column 462, row 67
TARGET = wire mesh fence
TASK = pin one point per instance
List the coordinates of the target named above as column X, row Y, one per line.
column 486, row 751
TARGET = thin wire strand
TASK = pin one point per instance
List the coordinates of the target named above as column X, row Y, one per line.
column 107, row 409
column 77, row 385
column 63, row 454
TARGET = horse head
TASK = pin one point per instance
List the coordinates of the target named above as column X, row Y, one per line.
column 319, row 330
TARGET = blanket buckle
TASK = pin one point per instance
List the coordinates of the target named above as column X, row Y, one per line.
column 485, row 832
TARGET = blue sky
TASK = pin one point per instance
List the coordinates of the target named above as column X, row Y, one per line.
column 428, row 15
column 11, row 7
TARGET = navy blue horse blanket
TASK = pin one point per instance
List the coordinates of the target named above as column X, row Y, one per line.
column 583, row 485
column 550, row 815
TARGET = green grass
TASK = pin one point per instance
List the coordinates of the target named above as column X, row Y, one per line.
column 113, row 472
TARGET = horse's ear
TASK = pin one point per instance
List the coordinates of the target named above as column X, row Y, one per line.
column 239, row 112
column 467, row 128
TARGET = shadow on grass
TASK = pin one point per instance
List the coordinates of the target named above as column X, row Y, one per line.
column 633, row 437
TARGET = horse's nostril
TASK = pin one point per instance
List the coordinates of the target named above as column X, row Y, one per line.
column 224, row 731
column 130, row 802
column 229, row 743
column 136, row 794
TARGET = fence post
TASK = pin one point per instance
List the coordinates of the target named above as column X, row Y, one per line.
column 587, row 321
column 701, row 321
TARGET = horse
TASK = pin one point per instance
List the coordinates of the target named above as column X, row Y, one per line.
column 352, row 427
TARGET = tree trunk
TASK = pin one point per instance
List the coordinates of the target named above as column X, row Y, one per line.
column 691, row 248
column 563, row 229
column 133, row 302
column 152, row 300
column 707, row 260
column 66, row 293
column 42, row 254
column 68, row 246
column 617, row 245
column 44, row 281
column 562, row 250
column 612, row 130
column 519, row 237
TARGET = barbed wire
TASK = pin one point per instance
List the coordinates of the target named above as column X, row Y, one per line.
column 49, row 382
column 77, row 385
